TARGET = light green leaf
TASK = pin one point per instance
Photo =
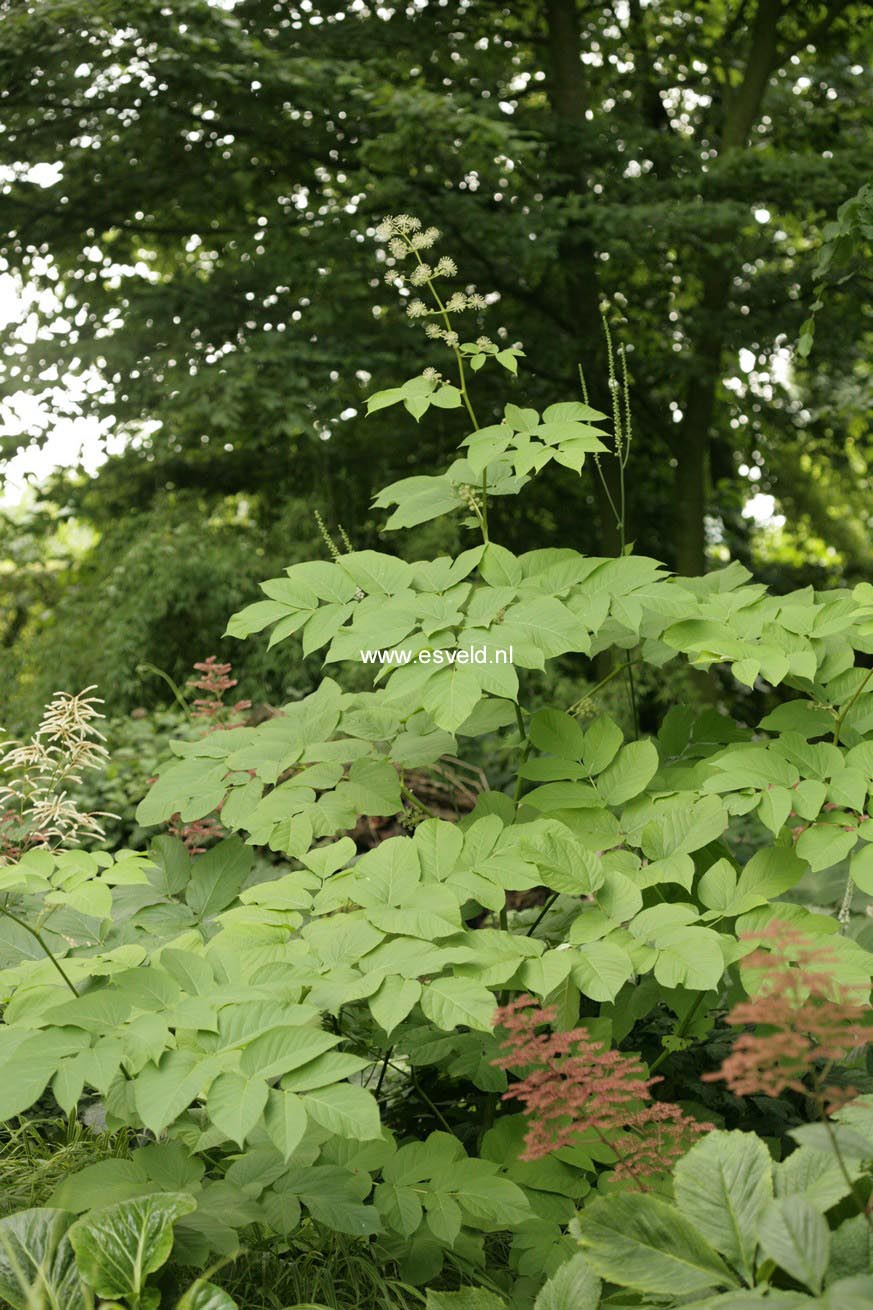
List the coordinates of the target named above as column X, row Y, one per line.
column 861, row 869
column 285, row 1121
column 825, row 844
column 118, row 1247
column 641, row 1241
column 689, row 957
column 452, row 1002
column 722, row 1185
column 602, row 741
column 848, row 1294
column 346, row 1110
column 206, row 1296
column 629, row 773
column 162, row 1091
column 574, row 1287
column 400, row 1207
column 218, row 877
column 254, row 618
column 376, row 574
column 602, row 970
column 393, row 1001
column 770, row 872
column 451, row 695
column 235, row 1104
column 332, row 1067
column 795, row 1235
column 557, row 733
column 283, row 1048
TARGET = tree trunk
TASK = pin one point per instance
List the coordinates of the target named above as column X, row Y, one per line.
column 568, row 96
column 691, row 447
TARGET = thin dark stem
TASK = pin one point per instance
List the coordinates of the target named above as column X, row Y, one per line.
column 38, row 937
column 424, row 1096
column 542, row 914
column 384, row 1069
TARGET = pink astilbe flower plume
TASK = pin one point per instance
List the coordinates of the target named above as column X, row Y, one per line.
column 804, row 1022
column 574, row 1084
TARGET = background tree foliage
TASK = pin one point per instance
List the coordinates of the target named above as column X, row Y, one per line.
column 201, row 246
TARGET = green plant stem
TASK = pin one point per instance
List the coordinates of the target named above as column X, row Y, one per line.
column 628, row 665
column 519, row 718
column 849, row 703
column 462, row 385
column 613, row 673
column 679, row 1031
column 424, row 1096
column 414, row 801
column 152, row 668
column 39, row 938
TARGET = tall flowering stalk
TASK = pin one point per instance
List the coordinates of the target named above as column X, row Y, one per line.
column 409, row 243
column 571, row 1084
column 211, row 708
column 214, row 683
column 36, row 809
column 802, row 1023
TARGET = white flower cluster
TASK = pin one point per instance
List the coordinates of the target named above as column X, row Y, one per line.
column 35, row 808
column 405, row 237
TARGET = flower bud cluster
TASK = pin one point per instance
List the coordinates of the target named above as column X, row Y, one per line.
column 405, row 238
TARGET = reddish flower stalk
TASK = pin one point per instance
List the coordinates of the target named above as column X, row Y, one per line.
column 578, row 1085
column 804, row 1022
column 215, row 682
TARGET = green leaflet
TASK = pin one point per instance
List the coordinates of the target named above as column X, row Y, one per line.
column 235, row 1104
column 722, row 1186
column 574, row 1287
column 344, row 1109
column 206, row 1296
column 795, row 1234
column 641, row 1242
column 451, row 1002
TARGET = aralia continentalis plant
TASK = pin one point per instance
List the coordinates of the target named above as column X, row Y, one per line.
column 313, row 1037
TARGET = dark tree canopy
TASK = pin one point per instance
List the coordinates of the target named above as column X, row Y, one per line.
column 203, row 241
